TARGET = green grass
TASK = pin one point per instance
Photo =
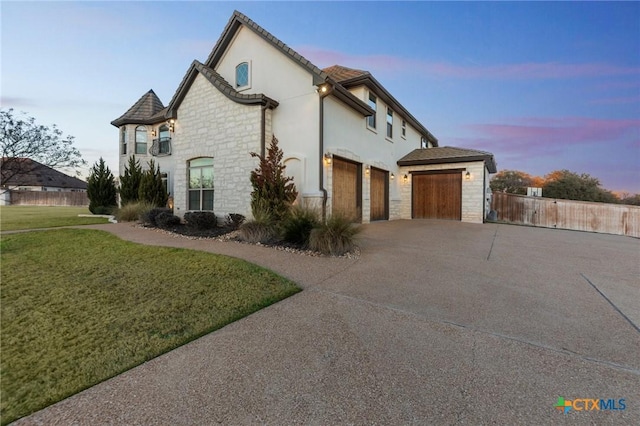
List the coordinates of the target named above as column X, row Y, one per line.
column 30, row 217
column 80, row 306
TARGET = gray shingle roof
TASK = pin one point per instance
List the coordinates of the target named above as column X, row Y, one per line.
column 147, row 110
column 340, row 73
column 32, row 173
column 447, row 154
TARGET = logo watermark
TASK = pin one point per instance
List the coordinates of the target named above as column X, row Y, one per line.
column 590, row 404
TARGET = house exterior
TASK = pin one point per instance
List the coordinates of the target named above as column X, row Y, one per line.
column 349, row 145
column 26, row 181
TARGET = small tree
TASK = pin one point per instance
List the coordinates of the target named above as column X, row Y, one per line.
column 151, row 188
column 21, row 137
column 573, row 186
column 130, row 182
column 511, row 181
column 101, row 189
column 272, row 190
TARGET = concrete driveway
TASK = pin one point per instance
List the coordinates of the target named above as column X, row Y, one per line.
column 436, row 323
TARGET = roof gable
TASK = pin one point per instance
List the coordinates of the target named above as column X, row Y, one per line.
column 219, row 83
column 447, row 154
column 147, row 110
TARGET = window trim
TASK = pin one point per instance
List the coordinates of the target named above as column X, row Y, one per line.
column 375, row 109
column 248, row 85
column 201, row 189
column 146, row 140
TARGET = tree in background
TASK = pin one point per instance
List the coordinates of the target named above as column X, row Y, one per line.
column 21, row 137
column 511, row 181
column 272, row 190
column 151, row 189
column 130, row 182
column 101, row 189
column 572, row 186
column 633, row 200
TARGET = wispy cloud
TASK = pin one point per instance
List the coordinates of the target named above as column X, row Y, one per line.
column 15, row 102
column 530, row 70
column 550, row 136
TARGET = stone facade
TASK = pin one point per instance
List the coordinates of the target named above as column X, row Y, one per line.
column 212, row 125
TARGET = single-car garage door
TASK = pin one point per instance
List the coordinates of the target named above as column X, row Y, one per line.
column 347, row 184
column 437, row 195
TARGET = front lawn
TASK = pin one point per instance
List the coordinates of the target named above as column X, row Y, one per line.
column 30, row 217
column 80, row 306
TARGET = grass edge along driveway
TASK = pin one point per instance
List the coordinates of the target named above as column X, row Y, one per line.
column 81, row 306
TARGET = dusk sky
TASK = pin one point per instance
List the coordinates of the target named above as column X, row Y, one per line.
column 543, row 86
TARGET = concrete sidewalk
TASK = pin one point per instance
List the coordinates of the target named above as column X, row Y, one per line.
column 436, row 323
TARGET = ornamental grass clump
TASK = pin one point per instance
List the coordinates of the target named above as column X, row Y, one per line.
column 335, row 237
column 296, row 227
column 261, row 229
column 133, row 211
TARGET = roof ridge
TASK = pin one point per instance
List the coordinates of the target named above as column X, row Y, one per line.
column 146, row 107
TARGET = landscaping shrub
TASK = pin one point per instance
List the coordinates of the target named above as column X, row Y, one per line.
column 149, row 217
column 130, row 182
column 296, row 227
column 151, row 187
column 234, row 220
column 132, row 212
column 167, row 220
column 262, row 229
column 101, row 189
column 201, row 220
column 335, row 237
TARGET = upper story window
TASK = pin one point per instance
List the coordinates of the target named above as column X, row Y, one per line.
column 404, row 129
column 424, row 143
column 201, row 184
column 165, row 140
column 371, row 120
column 123, row 140
column 389, row 123
column 242, row 75
column 141, row 140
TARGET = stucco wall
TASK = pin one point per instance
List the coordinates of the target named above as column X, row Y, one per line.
column 473, row 197
column 211, row 125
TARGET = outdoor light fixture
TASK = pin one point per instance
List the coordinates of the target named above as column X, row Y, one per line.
column 153, row 133
column 172, row 123
column 405, row 178
column 367, row 169
column 393, row 176
column 322, row 89
column 327, row 158
column 467, row 176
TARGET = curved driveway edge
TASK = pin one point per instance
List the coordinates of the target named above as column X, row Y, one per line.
column 435, row 323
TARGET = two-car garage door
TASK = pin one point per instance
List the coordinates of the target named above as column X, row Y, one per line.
column 437, row 195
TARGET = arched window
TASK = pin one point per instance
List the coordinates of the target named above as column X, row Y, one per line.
column 201, row 183
column 141, row 140
column 123, row 140
column 242, row 75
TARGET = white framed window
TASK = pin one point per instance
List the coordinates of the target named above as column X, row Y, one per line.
column 164, row 140
column 424, row 143
column 123, row 140
column 243, row 75
column 389, row 123
column 404, row 129
column 201, row 183
column 373, row 103
column 141, row 140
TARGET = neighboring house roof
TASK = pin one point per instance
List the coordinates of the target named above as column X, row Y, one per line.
column 349, row 77
column 219, row 83
column 447, row 154
column 31, row 173
column 147, row 110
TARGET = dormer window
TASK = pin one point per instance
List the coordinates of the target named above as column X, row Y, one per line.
column 242, row 75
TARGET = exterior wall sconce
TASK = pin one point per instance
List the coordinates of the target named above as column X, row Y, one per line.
column 153, row 133
column 467, row 176
column 172, row 124
column 405, row 178
column 322, row 89
column 367, row 170
column 327, row 158
column 393, row 176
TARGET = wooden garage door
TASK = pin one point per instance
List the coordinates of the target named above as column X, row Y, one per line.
column 347, row 185
column 379, row 195
column 437, row 195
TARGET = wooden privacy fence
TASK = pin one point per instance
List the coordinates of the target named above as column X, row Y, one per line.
column 48, row 198
column 604, row 218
